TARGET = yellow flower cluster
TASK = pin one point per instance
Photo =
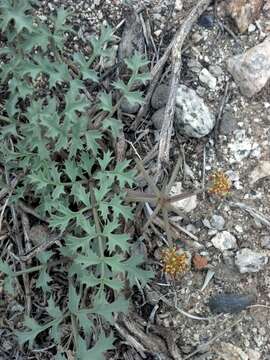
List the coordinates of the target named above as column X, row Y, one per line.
column 221, row 183
column 173, row 262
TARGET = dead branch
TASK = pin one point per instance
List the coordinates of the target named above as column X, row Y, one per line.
column 166, row 131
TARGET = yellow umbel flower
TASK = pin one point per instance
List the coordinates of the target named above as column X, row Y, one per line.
column 221, row 183
column 174, row 263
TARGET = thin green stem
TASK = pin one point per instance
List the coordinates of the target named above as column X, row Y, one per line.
column 27, row 271
column 74, row 321
column 100, row 239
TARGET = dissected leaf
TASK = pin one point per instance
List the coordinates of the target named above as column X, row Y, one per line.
column 53, row 310
column 15, row 12
column 97, row 351
column 105, row 101
column 43, row 281
column 73, row 300
column 114, row 125
column 136, row 61
column 115, row 240
column 29, row 335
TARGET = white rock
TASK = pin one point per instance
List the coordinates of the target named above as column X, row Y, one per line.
column 248, row 260
column 192, row 117
column 265, row 241
column 206, row 223
column 238, row 228
column 251, row 28
column 178, row 5
column 208, row 79
column 158, row 32
column 188, row 171
column 253, row 354
column 217, row 222
column 187, row 204
column 224, row 241
column 192, row 229
column 233, row 176
column 261, row 170
column 251, row 70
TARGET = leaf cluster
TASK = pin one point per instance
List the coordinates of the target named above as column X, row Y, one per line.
column 53, row 141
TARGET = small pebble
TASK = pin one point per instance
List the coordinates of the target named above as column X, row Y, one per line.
column 178, row 5
column 230, row 303
column 217, row 222
column 248, row 260
column 129, row 108
column 265, row 242
column 158, row 118
column 207, row 21
column 208, row 79
column 224, row 241
column 251, row 28
column 160, row 96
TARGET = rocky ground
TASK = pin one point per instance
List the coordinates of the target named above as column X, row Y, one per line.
column 221, row 81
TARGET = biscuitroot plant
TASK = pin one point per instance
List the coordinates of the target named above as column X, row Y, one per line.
column 58, row 127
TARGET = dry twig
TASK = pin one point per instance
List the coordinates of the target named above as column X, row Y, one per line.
column 19, row 244
column 166, row 130
column 254, row 213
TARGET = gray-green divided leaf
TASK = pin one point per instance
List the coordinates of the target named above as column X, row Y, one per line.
column 29, row 335
column 15, row 12
column 97, row 352
column 43, row 281
column 135, row 62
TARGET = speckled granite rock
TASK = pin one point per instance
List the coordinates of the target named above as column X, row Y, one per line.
column 192, row 116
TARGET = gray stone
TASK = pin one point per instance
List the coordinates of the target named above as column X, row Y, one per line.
column 217, row 222
column 188, row 204
column 192, row 116
column 261, row 171
column 207, row 224
column 201, row 91
column 224, row 241
column 160, row 96
column 216, row 70
column 194, row 65
column 206, row 20
column 208, row 79
column 129, row 108
column 248, row 260
column 38, row 234
column 158, row 117
column 265, row 241
column 228, row 123
column 178, row 5
column 251, row 70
